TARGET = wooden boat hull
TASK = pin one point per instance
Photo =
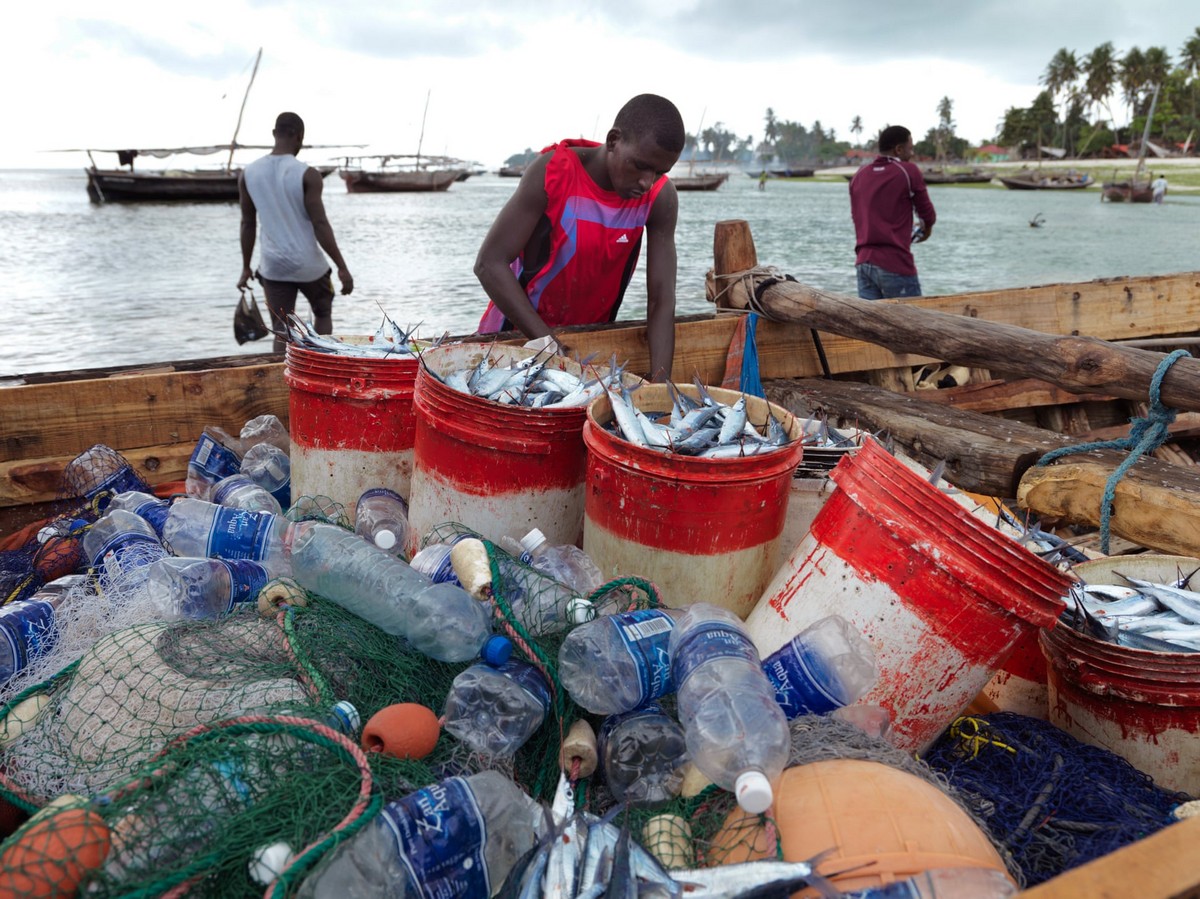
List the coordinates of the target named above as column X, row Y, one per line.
column 700, row 182
column 120, row 186
column 1021, row 183
column 1125, row 192
column 360, row 182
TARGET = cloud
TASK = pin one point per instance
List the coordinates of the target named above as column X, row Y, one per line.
column 176, row 57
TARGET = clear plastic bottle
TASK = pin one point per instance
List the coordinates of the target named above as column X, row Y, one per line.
column 826, row 666
column 27, row 627
column 616, row 663
column 495, row 709
column 566, row 563
column 433, row 561
column 459, row 837
column 216, row 456
column 440, row 620
column 119, row 545
column 737, row 735
column 144, row 505
column 944, row 883
column 264, row 429
column 239, row 491
column 199, row 529
column 643, row 752
column 381, row 515
column 99, row 473
column 270, row 468
column 204, row 588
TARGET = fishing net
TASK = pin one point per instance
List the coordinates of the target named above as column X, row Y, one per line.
column 1054, row 802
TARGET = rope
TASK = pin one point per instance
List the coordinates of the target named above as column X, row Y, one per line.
column 1145, row 435
column 749, row 278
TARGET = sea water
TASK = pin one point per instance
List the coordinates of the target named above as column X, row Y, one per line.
column 88, row 286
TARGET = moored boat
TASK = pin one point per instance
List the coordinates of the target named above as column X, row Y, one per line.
column 710, row 181
column 397, row 179
column 1036, row 179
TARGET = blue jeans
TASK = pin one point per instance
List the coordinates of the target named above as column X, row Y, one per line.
column 875, row 283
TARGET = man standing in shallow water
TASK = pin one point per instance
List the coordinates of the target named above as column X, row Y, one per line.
column 286, row 194
column 883, row 195
column 564, row 247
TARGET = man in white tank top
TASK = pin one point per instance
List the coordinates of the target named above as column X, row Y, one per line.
column 285, row 194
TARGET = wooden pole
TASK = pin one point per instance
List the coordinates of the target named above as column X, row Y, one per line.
column 1078, row 364
column 245, row 97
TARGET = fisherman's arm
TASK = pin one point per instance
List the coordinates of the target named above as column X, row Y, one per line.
column 249, row 231
column 923, row 205
column 661, row 268
column 505, row 241
column 322, row 230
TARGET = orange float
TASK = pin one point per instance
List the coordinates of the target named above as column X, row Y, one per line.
column 406, row 730
column 49, row 857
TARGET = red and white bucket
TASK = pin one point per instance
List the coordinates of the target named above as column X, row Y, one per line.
column 1144, row 706
column 498, row 469
column 702, row 530
column 351, row 423
column 941, row 597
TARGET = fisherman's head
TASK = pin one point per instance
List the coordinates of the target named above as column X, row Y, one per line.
column 289, row 131
column 645, row 140
column 896, row 140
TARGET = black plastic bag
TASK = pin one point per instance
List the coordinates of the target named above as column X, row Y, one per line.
column 248, row 322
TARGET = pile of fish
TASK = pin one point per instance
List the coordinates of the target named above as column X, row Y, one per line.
column 532, row 383
column 389, row 340
column 704, row 427
column 1143, row 615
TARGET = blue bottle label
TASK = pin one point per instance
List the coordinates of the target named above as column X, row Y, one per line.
column 440, row 837
column 246, row 579
column 646, row 634
column 800, row 678
column 27, row 628
column 239, row 534
column 213, row 461
column 283, row 494
column 155, row 512
column 708, row 641
column 228, row 485
column 112, row 554
column 531, row 679
column 123, row 480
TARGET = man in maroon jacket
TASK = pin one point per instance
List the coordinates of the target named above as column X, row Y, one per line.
column 883, row 195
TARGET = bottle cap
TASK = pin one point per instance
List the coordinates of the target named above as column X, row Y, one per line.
column 497, row 650
column 345, row 718
column 385, row 539
column 753, row 792
column 532, row 540
column 579, row 610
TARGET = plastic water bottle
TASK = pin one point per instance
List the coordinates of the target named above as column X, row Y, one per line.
column 644, row 752
column 433, row 561
column 215, row 457
column 120, row 544
column 198, row 529
column 441, row 621
column 270, row 468
column 27, row 627
column 943, row 883
column 204, row 588
column 238, row 491
column 616, row 663
column 543, row 605
column 494, row 710
column 381, row 515
column 737, row 735
column 566, row 563
column 99, row 473
column 826, row 666
column 144, row 505
column 459, row 837
column 264, row 429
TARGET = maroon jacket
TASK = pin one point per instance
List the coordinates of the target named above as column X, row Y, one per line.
column 883, row 194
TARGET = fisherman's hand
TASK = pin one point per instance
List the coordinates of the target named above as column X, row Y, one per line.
column 246, row 278
column 347, row 280
column 926, row 230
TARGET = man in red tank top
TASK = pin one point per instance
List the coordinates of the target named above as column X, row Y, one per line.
column 562, row 250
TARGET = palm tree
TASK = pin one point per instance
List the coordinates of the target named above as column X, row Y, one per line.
column 945, row 129
column 1060, row 77
column 1189, row 61
column 856, row 126
column 1132, row 79
column 1100, row 75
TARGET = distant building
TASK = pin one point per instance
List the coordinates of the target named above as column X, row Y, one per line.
column 993, row 153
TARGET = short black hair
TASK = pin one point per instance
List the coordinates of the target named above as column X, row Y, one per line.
column 289, row 123
column 654, row 115
column 893, row 136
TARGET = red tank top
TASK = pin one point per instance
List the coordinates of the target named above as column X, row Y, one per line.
column 594, row 239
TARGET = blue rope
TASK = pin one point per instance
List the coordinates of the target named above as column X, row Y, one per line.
column 1145, row 435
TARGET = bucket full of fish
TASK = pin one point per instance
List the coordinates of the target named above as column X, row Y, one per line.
column 350, row 411
column 498, row 441
column 941, row 597
column 1124, row 664
column 688, row 487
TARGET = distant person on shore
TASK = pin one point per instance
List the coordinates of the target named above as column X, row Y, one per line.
column 564, row 247
column 286, row 194
column 762, row 180
column 1159, row 187
column 883, row 196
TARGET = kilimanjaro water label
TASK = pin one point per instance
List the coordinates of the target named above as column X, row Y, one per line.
column 708, row 642
column 800, row 677
column 239, row 534
column 646, row 634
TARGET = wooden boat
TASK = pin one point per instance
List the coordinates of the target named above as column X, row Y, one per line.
column 710, row 181
column 791, row 172
column 1036, row 179
column 511, row 171
column 941, row 175
column 395, row 179
column 1136, row 189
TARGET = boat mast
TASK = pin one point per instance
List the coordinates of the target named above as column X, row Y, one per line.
column 245, row 97
column 421, row 139
column 696, row 145
column 1141, row 163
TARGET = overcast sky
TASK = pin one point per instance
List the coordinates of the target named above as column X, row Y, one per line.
column 503, row 76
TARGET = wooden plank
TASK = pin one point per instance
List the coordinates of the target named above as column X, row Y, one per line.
column 40, row 480
column 1001, row 396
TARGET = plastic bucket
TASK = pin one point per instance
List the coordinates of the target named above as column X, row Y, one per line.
column 703, row 530
column 499, row 469
column 351, row 423
column 941, row 597
column 1144, row 706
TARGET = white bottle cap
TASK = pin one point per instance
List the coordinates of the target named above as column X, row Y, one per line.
column 532, row 540
column 753, row 792
column 579, row 610
column 385, row 539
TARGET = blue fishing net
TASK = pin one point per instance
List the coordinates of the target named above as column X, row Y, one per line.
column 1054, row 802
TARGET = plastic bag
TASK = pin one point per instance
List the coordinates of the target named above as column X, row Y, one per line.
column 248, row 322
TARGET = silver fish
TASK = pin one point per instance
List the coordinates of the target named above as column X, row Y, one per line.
column 750, row 879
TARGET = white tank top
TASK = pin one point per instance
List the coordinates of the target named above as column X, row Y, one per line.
column 288, row 248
